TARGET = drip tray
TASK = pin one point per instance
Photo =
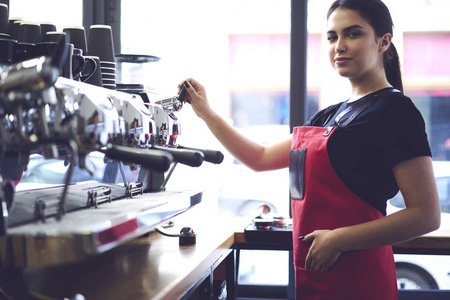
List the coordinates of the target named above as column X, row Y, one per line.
column 86, row 229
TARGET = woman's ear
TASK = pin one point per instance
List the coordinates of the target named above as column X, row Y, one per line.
column 385, row 42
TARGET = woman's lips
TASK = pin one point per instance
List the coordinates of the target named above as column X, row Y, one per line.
column 341, row 60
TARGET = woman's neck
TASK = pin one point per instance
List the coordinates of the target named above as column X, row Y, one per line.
column 361, row 90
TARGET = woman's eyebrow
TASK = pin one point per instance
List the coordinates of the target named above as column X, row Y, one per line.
column 346, row 29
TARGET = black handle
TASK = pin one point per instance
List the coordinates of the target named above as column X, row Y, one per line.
column 182, row 94
column 150, row 159
column 184, row 156
column 212, row 156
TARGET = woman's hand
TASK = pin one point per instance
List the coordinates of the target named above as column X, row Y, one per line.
column 323, row 253
column 196, row 96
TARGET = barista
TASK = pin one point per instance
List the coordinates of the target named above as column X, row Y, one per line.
column 346, row 162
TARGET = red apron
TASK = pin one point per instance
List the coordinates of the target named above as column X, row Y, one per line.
column 321, row 201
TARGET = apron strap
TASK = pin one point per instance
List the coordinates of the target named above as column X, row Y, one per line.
column 357, row 109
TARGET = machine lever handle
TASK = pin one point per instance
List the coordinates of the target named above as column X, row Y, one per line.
column 212, row 156
column 154, row 159
column 184, row 156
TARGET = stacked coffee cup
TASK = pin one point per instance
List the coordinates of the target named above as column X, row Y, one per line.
column 4, row 21
column 91, row 61
column 100, row 43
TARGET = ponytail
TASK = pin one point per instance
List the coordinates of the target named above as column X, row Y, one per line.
column 391, row 63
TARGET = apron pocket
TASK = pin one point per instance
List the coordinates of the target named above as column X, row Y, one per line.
column 297, row 173
column 348, row 285
column 323, row 285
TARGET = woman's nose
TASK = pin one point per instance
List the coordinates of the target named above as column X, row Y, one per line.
column 340, row 46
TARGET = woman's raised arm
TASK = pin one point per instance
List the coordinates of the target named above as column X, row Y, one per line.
column 252, row 154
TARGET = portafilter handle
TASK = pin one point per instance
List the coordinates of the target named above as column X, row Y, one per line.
column 184, row 156
column 212, row 156
column 182, row 94
column 148, row 158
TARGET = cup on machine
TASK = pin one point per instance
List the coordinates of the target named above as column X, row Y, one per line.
column 11, row 27
column 14, row 28
column 100, row 42
column 47, row 27
column 76, row 35
column 23, row 51
column 7, row 48
column 29, row 33
column 108, row 64
column 54, row 36
column 49, row 49
column 11, row 22
column 78, row 63
column 108, row 77
column 91, row 73
column 4, row 18
column 83, row 67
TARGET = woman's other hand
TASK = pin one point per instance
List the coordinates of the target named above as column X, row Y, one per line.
column 323, row 253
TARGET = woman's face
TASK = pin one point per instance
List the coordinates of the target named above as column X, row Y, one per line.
column 354, row 50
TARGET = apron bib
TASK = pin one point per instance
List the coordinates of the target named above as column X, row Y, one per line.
column 321, row 201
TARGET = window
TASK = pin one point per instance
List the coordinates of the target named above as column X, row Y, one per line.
column 241, row 55
column 44, row 11
column 432, row 48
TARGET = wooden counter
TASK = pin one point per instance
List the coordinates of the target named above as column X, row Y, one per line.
column 437, row 242
column 152, row 267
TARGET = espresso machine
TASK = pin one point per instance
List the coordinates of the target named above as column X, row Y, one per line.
column 54, row 117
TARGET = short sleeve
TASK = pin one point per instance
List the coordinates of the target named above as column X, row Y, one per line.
column 402, row 134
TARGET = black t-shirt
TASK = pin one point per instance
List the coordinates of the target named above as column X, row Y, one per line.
column 363, row 152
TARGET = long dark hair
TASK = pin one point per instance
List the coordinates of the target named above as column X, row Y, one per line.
column 376, row 13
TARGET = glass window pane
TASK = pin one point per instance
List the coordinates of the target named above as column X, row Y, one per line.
column 259, row 60
column 431, row 48
column 253, row 274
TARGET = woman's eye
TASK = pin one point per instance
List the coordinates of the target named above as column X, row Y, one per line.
column 331, row 38
column 353, row 34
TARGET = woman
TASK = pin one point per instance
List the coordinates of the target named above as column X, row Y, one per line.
column 346, row 162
